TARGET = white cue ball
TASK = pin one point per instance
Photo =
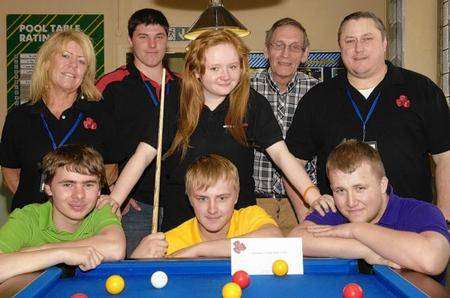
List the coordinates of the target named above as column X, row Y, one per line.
column 159, row 279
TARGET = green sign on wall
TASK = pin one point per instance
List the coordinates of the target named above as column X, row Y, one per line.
column 25, row 34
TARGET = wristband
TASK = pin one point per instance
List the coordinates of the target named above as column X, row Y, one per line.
column 306, row 191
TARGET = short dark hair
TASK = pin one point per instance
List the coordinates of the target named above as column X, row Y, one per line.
column 147, row 16
column 363, row 15
column 350, row 154
column 80, row 159
column 287, row 22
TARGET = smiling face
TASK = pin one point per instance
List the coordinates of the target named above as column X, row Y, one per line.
column 286, row 52
column 222, row 71
column 213, row 208
column 149, row 43
column 362, row 48
column 67, row 68
column 361, row 195
column 73, row 196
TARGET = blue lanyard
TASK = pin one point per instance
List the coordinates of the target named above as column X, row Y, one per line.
column 358, row 112
column 68, row 134
column 152, row 95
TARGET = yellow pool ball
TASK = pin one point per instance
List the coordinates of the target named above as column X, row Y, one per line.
column 280, row 268
column 231, row 290
column 114, row 284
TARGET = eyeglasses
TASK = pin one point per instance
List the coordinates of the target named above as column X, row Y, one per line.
column 293, row 47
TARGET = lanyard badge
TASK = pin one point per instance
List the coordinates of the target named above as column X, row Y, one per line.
column 67, row 135
column 53, row 141
column 358, row 112
column 152, row 95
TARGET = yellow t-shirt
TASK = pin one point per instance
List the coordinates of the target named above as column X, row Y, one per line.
column 243, row 221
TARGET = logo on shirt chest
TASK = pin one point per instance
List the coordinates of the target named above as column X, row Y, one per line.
column 403, row 102
column 89, row 124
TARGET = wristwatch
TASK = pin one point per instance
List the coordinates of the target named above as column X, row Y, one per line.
column 448, row 224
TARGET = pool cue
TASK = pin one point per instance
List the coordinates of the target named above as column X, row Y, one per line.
column 158, row 155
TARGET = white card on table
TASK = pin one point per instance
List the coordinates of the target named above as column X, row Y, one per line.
column 256, row 255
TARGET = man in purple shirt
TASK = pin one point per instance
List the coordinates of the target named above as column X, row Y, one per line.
column 373, row 223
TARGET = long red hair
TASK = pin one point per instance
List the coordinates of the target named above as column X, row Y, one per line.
column 192, row 99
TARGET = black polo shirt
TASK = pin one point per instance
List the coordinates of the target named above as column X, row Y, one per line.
column 25, row 141
column 211, row 136
column 405, row 136
column 132, row 109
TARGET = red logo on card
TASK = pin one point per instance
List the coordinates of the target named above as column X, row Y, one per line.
column 238, row 247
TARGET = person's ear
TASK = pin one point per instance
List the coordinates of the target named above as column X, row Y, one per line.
column 385, row 44
column 130, row 42
column 48, row 190
column 190, row 199
column 236, row 198
column 384, row 184
column 305, row 55
column 266, row 51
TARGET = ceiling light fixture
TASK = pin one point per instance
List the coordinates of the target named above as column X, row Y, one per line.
column 216, row 17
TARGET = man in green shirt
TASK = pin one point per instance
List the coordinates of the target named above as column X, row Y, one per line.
column 67, row 229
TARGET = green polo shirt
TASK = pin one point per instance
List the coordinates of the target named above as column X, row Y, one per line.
column 33, row 226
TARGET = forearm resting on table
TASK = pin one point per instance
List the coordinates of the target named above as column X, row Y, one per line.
column 329, row 247
column 133, row 170
column 110, row 242
column 221, row 248
column 427, row 252
column 12, row 264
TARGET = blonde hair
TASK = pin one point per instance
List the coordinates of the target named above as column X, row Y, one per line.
column 208, row 170
column 54, row 45
column 192, row 99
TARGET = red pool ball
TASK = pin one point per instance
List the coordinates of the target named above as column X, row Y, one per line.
column 241, row 278
column 352, row 291
column 79, row 295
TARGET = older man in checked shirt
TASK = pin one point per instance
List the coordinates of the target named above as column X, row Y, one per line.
column 286, row 47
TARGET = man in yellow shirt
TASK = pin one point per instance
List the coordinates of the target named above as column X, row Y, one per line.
column 212, row 185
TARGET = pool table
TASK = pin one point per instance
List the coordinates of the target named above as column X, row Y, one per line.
column 205, row 278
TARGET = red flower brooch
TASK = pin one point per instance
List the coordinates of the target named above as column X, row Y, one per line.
column 403, row 101
column 89, row 123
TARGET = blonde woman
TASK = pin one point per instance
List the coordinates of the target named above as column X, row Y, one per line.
column 215, row 112
column 63, row 109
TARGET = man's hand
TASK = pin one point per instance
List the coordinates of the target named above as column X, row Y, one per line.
column 323, row 204
column 339, row 231
column 104, row 200
column 131, row 203
column 151, row 246
column 86, row 257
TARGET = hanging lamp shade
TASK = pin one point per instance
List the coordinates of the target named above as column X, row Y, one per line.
column 216, row 17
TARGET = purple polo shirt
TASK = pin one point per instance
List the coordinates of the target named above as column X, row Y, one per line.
column 402, row 214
